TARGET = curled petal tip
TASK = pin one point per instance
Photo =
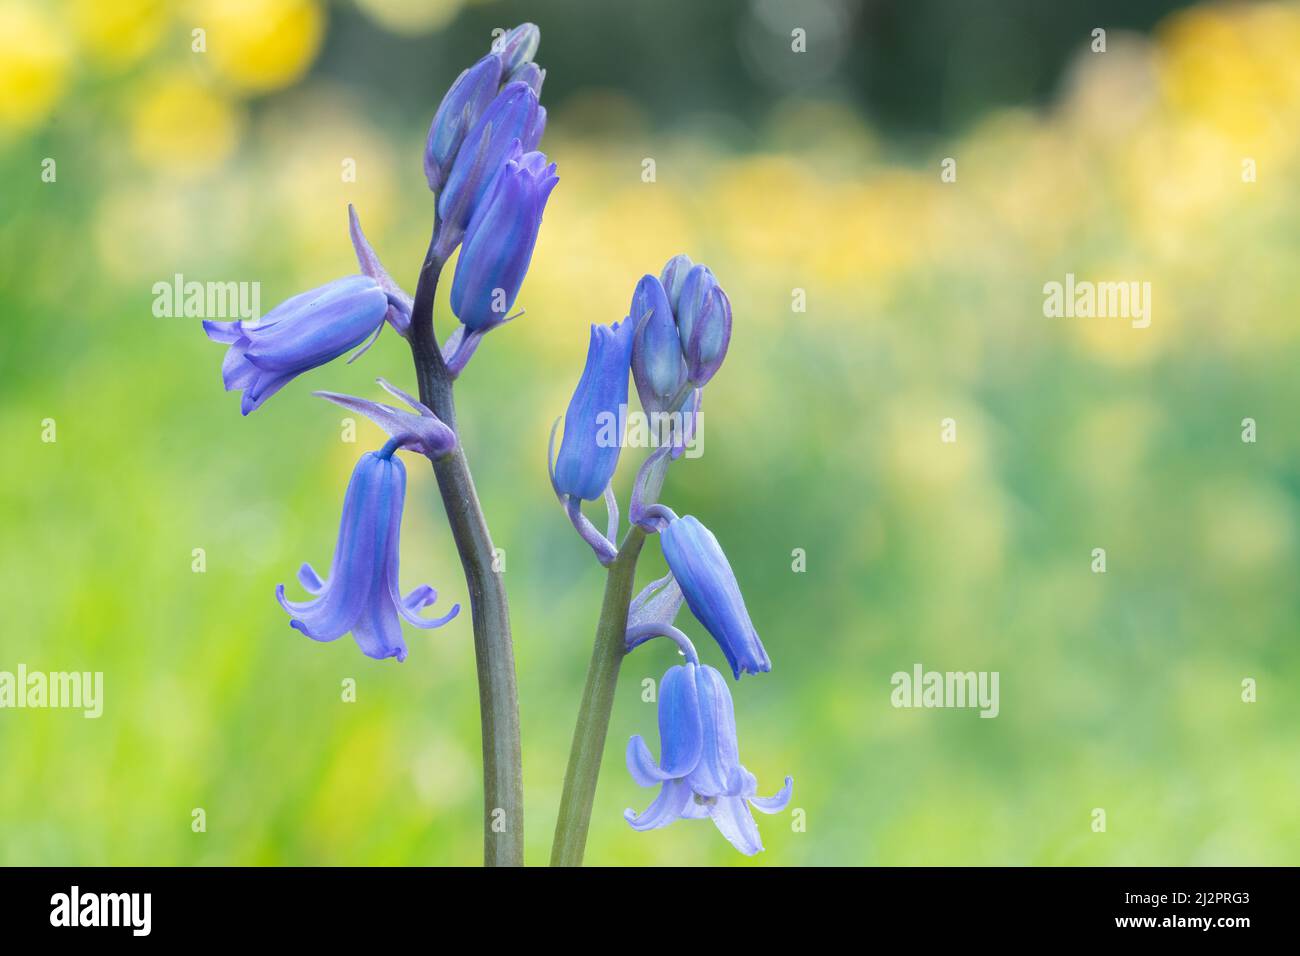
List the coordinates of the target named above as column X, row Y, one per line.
column 224, row 332
column 778, row 801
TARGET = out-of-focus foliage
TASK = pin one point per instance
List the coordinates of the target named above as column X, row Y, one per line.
column 924, row 302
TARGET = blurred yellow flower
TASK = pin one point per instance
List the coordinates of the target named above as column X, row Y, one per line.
column 1173, row 176
column 1029, row 178
column 180, row 125
column 597, row 239
column 321, row 153
column 261, row 45
column 1235, row 69
column 33, row 65
column 771, row 209
column 878, row 229
column 148, row 226
column 411, row 17
column 118, row 34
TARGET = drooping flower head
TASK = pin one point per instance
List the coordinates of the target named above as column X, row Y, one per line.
column 712, row 593
column 590, row 448
column 298, row 335
column 499, row 241
column 699, row 770
column 362, row 593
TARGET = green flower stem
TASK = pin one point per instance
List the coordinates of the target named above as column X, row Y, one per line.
column 597, row 703
column 503, row 784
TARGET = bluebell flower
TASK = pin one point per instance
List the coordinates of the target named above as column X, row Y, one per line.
column 657, row 364
column 513, row 120
column 712, row 593
column 361, row 594
column 499, row 241
column 590, row 448
column 298, row 335
column 699, row 770
column 518, row 46
column 529, row 73
column 510, row 61
column 673, row 276
column 704, row 323
column 683, row 323
column 460, row 109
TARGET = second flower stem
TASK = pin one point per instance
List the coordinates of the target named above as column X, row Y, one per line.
column 597, row 703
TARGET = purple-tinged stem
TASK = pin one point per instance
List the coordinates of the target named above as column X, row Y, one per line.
column 503, row 825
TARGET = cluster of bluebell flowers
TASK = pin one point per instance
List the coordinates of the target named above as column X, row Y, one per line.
column 672, row 342
column 491, row 186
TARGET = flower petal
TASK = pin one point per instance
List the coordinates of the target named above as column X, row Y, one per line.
column 378, row 630
column 736, row 823
column 719, row 753
column 667, row 807
column 227, row 333
column 422, row 596
column 236, row 371
column 309, row 579
column 641, row 764
column 697, row 807
column 778, row 801
column 356, row 564
column 263, row 387
column 680, row 728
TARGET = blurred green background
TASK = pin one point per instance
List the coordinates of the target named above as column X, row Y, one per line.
column 782, row 171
